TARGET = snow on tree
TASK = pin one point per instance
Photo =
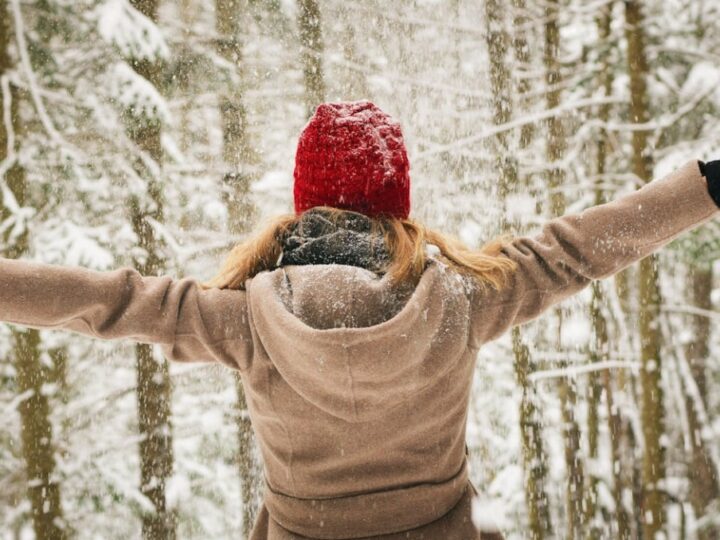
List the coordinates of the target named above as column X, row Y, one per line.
column 158, row 134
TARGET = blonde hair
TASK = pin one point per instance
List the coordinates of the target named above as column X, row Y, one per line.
column 405, row 239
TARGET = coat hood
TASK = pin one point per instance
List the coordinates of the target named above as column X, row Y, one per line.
column 351, row 344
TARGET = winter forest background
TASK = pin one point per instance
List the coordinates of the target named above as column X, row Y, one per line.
column 157, row 133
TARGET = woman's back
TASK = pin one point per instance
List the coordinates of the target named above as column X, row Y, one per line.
column 374, row 415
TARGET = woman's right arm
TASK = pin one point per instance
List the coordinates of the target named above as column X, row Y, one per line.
column 574, row 249
column 188, row 322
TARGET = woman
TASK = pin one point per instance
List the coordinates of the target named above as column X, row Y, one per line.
column 355, row 344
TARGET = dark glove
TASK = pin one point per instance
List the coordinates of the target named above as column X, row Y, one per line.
column 711, row 171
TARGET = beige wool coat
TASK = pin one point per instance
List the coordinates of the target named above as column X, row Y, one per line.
column 359, row 397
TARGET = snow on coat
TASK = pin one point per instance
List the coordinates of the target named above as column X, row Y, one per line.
column 359, row 403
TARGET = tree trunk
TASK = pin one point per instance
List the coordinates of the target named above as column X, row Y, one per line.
column 601, row 345
column 15, row 175
column 37, row 436
column 534, row 458
column 567, row 390
column 153, row 380
column 311, row 41
column 182, row 81
column 355, row 83
column 250, row 470
column 43, row 488
column 240, row 159
column 238, row 155
column 534, row 455
column 523, row 57
column 704, row 485
column 652, row 412
column 500, row 83
column 616, row 434
column 598, row 353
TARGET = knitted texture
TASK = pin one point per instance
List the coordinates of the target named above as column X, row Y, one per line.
column 318, row 239
column 351, row 155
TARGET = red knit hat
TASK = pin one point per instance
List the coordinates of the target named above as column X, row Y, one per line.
column 351, row 155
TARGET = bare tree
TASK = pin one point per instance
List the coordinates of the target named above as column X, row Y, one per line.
column 240, row 159
column 310, row 24
column 521, row 46
column 703, row 475
column 555, row 149
column 506, row 165
column 43, row 488
column 153, row 379
column 600, row 348
column 651, row 406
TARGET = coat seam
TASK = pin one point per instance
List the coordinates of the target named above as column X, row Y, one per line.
column 268, row 388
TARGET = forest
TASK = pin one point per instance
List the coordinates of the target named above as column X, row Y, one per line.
column 157, row 134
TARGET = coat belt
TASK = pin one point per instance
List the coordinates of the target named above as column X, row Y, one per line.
column 367, row 514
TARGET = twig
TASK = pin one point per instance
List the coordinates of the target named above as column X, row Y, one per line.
column 30, row 74
column 691, row 310
column 7, row 114
column 577, row 370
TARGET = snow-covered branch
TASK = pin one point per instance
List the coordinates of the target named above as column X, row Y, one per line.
column 573, row 371
column 519, row 122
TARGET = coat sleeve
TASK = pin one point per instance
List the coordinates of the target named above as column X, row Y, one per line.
column 190, row 324
column 572, row 250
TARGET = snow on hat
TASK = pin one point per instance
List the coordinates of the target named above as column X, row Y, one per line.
column 351, row 155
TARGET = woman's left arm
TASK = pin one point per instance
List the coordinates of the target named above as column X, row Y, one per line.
column 190, row 323
column 572, row 250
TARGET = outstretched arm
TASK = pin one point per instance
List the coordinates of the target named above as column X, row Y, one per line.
column 191, row 324
column 574, row 249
